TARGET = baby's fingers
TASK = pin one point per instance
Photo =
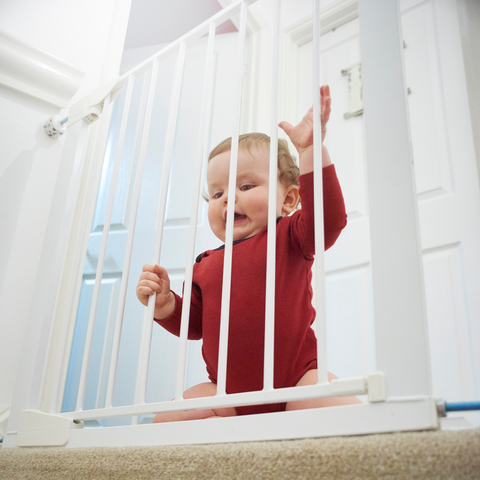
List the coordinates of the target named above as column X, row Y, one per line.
column 153, row 284
column 148, row 268
column 144, row 291
column 326, row 102
column 161, row 272
column 324, row 93
column 286, row 127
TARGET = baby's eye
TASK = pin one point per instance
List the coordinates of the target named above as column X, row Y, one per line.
column 217, row 195
column 244, row 188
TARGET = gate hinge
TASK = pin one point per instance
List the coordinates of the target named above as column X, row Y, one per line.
column 355, row 90
column 40, row 429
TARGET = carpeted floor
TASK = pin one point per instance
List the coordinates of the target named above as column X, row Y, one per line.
column 416, row 455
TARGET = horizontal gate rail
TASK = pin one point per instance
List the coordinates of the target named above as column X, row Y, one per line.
column 354, row 386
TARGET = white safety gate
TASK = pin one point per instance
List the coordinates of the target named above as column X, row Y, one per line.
column 398, row 395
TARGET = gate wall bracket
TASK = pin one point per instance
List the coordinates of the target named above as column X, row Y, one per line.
column 40, row 429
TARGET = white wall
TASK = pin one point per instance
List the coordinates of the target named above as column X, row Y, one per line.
column 34, row 169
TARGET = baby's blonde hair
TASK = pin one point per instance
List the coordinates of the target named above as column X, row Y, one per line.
column 286, row 163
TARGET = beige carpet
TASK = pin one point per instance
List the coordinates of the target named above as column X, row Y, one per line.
column 418, row 455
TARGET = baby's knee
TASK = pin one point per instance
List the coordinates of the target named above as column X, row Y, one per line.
column 180, row 416
column 164, row 417
column 207, row 389
column 202, row 414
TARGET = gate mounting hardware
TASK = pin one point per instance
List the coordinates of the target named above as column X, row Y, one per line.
column 39, row 429
column 89, row 108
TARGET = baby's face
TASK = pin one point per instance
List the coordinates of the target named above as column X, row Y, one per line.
column 251, row 194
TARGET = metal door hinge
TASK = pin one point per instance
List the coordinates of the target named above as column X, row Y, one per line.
column 355, row 93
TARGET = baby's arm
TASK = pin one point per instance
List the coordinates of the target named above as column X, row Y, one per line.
column 302, row 135
column 155, row 279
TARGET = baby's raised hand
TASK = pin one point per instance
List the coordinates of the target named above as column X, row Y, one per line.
column 302, row 135
column 155, row 279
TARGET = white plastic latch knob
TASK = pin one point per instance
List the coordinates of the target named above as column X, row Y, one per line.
column 376, row 388
column 53, row 127
column 348, row 386
column 93, row 113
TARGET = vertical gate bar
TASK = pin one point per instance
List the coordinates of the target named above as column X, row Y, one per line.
column 140, row 147
column 320, row 323
column 397, row 270
column 208, row 113
column 52, row 400
column 98, row 148
column 130, row 238
column 232, row 181
column 162, row 203
column 268, row 375
column 98, row 276
column 201, row 158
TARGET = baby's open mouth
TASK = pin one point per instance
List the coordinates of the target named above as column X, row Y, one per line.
column 239, row 217
column 236, row 218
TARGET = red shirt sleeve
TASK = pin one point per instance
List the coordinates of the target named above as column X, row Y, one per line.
column 172, row 323
column 334, row 215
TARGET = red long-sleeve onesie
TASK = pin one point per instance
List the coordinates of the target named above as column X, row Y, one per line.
column 295, row 342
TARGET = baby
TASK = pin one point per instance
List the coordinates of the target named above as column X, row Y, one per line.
column 295, row 356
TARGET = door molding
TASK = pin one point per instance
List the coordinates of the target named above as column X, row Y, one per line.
column 331, row 17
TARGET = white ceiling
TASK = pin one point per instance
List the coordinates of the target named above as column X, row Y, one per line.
column 154, row 22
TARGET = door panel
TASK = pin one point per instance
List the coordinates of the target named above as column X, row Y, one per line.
column 446, row 322
column 427, row 110
column 349, row 316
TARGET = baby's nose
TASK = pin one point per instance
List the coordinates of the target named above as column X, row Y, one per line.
column 225, row 197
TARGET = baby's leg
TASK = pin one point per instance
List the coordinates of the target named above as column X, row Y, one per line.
column 310, row 378
column 207, row 389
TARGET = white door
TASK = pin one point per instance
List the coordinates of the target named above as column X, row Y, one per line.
column 164, row 352
column 448, row 199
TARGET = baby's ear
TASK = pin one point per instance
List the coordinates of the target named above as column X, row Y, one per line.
column 291, row 198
